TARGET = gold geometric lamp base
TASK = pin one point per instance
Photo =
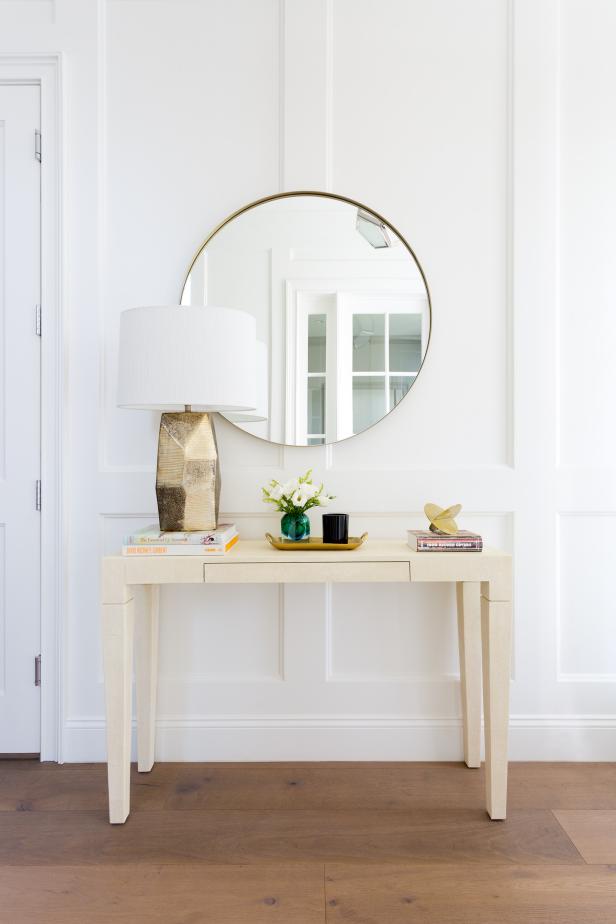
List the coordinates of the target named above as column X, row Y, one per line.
column 188, row 472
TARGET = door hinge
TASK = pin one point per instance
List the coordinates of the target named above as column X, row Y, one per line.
column 38, row 494
column 38, row 146
column 37, row 671
column 39, row 321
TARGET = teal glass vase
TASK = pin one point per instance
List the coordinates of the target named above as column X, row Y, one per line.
column 295, row 526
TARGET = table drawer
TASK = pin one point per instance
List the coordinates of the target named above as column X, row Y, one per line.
column 305, row 572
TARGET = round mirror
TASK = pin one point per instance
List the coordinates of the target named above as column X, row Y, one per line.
column 342, row 309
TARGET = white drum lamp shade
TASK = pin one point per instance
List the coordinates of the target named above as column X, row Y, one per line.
column 173, row 356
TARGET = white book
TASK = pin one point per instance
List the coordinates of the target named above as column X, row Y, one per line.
column 153, row 535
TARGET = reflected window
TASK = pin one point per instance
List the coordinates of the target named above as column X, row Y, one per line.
column 316, row 406
column 383, row 342
column 404, row 342
column 369, row 402
column 374, row 354
column 317, row 378
column 317, row 331
column 368, row 342
column 398, row 387
column 358, row 356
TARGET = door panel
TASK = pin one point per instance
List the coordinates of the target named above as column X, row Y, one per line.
column 19, row 419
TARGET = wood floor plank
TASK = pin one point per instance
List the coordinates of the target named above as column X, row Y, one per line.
column 310, row 787
column 469, row 894
column 562, row 785
column 154, row 894
column 66, row 838
column 31, row 786
column 593, row 833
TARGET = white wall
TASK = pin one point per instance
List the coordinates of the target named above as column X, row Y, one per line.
column 484, row 131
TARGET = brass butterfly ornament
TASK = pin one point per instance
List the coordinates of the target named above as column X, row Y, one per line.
column 442, row 520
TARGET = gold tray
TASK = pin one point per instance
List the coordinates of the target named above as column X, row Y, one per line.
column 315, row 544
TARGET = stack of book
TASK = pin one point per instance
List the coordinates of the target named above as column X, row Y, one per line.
column 425, row 540
column 151, row 541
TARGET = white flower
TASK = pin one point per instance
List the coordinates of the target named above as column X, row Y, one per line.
column 302, row 495
column 276, row 492
column 289, row 487
column 324, row 500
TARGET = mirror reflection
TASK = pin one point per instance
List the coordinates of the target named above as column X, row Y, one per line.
column 342, row 310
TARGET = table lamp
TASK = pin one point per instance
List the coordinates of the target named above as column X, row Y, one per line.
column 187, row 362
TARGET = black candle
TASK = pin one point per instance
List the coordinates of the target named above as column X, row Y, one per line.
column 336, row 528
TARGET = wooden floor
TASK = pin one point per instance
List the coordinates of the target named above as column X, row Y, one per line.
column 306, row 843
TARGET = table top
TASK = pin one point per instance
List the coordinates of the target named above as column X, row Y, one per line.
column 254, row 561
column 259, row 550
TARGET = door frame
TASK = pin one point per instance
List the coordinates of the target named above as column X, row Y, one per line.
column 45, row 71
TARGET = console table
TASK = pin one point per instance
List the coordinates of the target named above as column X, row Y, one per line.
column 130, row 607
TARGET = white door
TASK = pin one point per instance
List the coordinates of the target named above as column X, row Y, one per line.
column 20, row 207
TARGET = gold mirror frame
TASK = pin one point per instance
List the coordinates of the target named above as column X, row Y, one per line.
column 355, row 204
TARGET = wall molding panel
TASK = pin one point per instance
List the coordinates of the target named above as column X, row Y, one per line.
column 584, row 541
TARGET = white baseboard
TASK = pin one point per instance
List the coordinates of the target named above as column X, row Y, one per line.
column 348, row 737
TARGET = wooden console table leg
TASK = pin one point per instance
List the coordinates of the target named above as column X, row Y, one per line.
column 146, row 675
column 118, row 624
column 468, row 598
column 496, row 627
